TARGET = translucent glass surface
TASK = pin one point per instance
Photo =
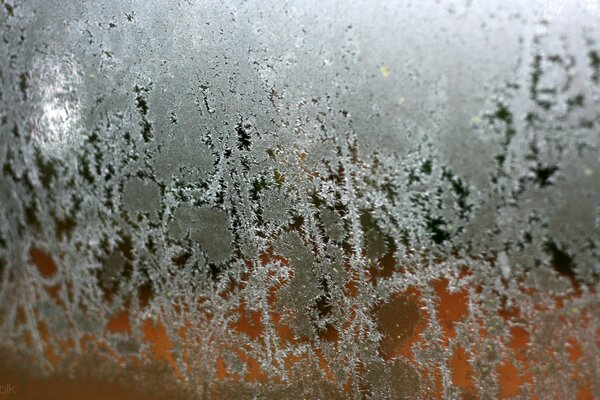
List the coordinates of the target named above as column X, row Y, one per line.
column 301, row 199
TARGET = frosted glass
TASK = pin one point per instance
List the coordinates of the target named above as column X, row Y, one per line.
column 302, row 199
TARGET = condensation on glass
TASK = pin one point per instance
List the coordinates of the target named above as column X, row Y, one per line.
column 303, row 199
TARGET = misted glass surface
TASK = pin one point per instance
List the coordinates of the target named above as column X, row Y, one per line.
column 300, row 199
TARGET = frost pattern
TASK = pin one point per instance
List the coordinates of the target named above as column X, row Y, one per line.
column 305, row 199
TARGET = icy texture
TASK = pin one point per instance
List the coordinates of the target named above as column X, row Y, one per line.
column 291, row 192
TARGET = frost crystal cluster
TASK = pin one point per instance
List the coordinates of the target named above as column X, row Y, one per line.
column 304, row 199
